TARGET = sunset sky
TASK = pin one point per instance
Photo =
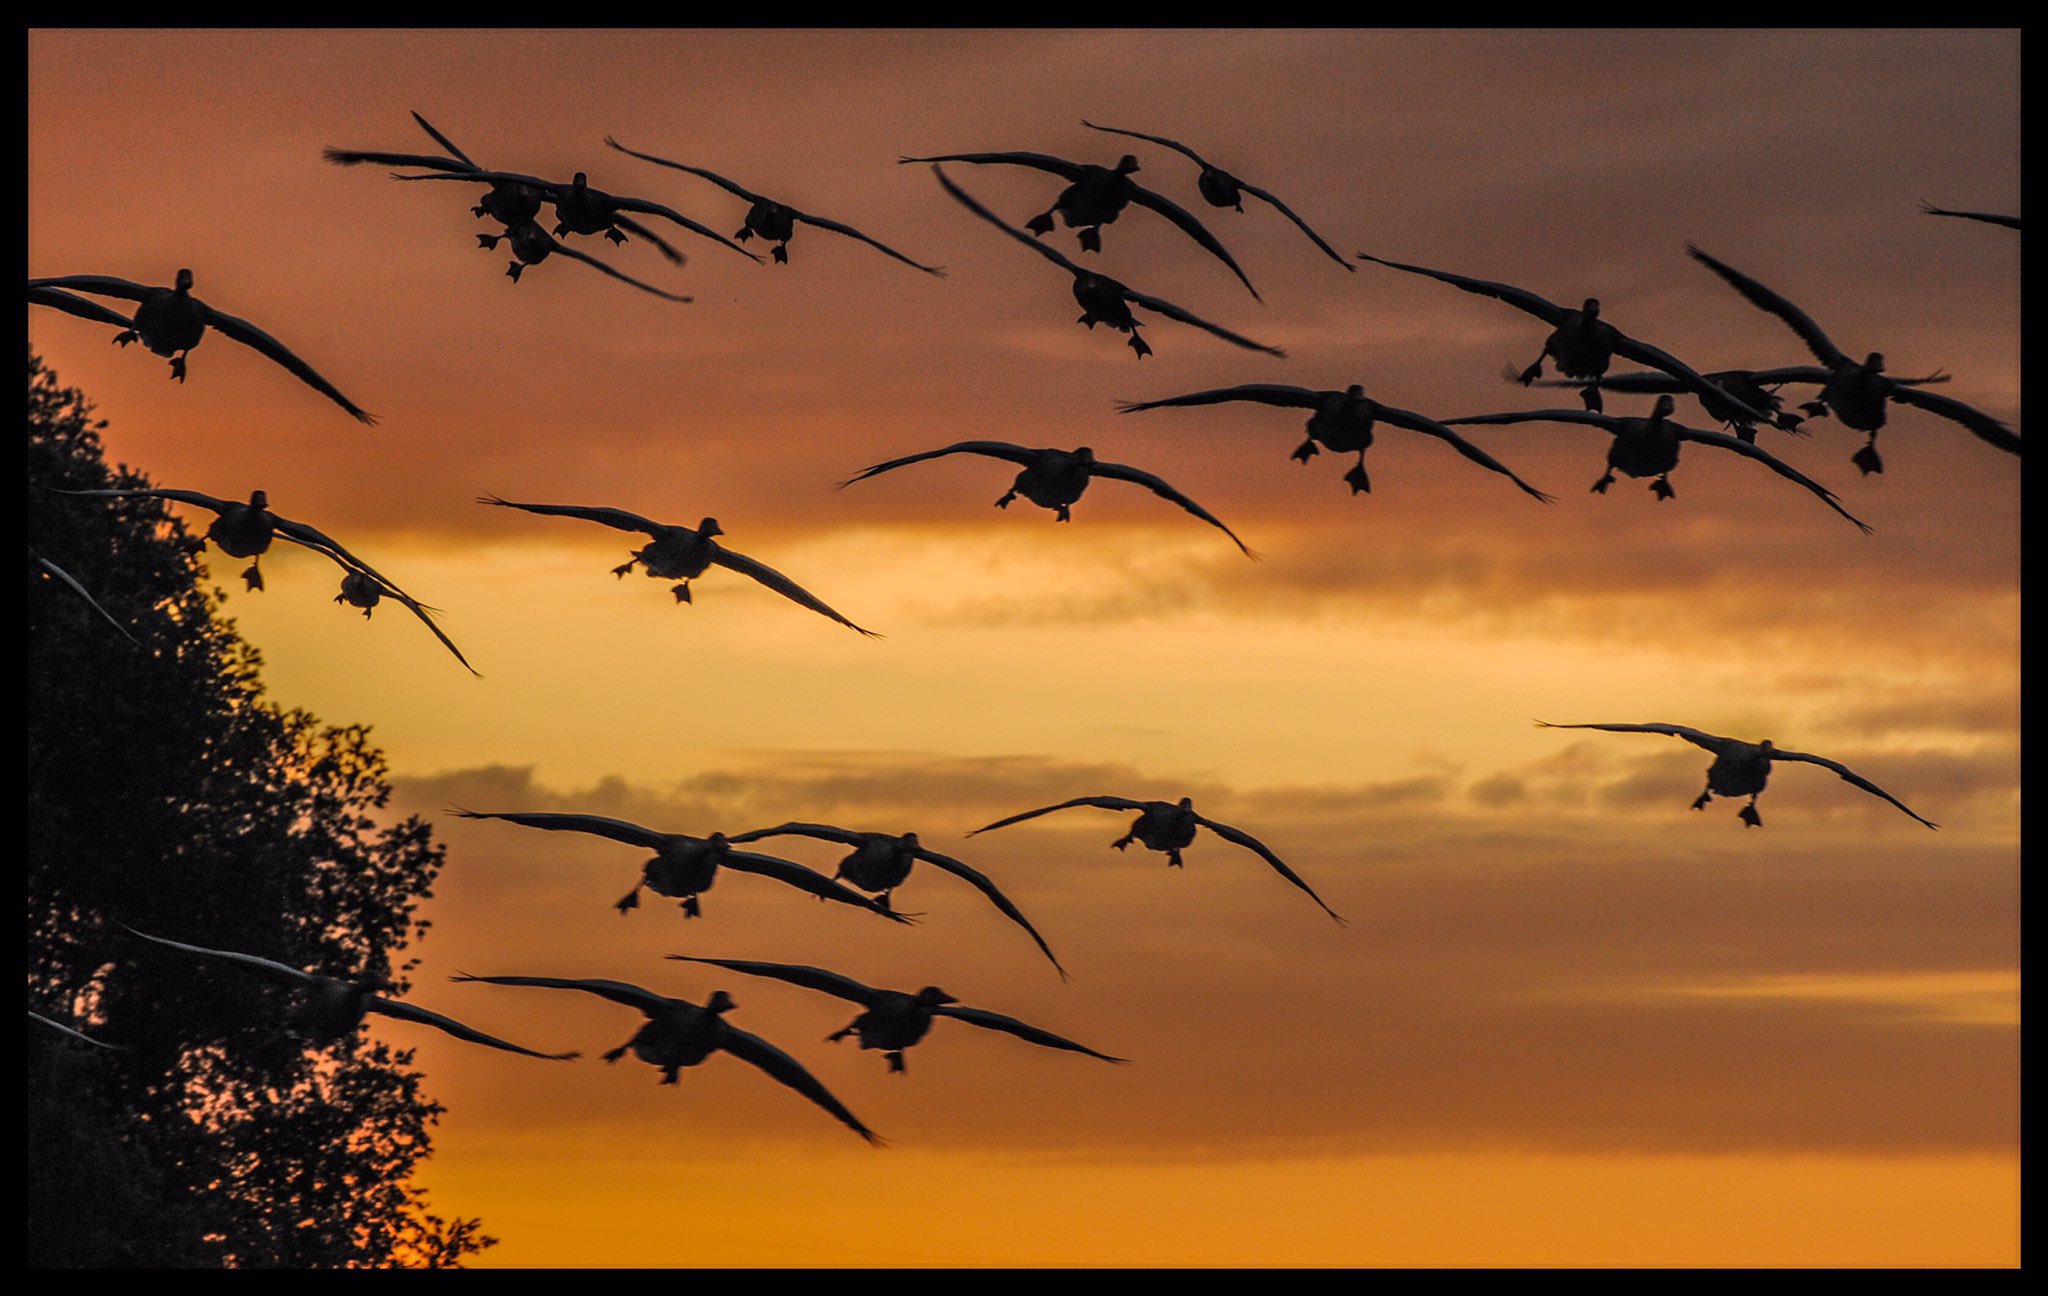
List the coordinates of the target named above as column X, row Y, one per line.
column 1570, row 1021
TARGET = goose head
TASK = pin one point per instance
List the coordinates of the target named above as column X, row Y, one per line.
column 184, row 282
column 932, row 997
column 719, row 1003
column 708, row 528
column 1127, row 164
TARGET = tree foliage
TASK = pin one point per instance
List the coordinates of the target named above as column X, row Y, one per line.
column 166, row 794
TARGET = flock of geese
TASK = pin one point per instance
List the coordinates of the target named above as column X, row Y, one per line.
column 677, row 1033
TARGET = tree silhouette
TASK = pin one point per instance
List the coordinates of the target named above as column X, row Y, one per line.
column 166, row 794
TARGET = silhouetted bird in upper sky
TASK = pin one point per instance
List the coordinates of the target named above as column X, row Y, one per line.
column 1741, row 769
column 507, row 202
column 1648, row 447
column 1989, row 218
column 1582, row 343
column 1104, row 300
column 246, row 531
column 331, row 1008
column 1094, row 197
column 881, row 862
column 171, row 321
column 581, row 209
column 1223, row 189
column 1168, row 827
column 680, row 1034
column 682, row 553
column 893, row 1020
column 1755, row 389
column 1342, row 422
column 1055, row 479
column 776, row 222
column 684, row 867
column 1856, row 393
column 532, row 245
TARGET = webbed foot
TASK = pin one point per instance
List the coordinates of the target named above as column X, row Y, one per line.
column 1745, row 432
column 1040, row 224
column 1814, row 408
column 1004, row 502
column 1590, row 395
column 488, row 240
column 669, row 1074
column 1750, row 817
column 780, row 254
column 622, row 570
column 1124, row 840
column 1359, row 481
column 1661, row 488
column 1600, row 487
column 253, row 579
column 1531, row 374
column 514, row 269
column 1062, row 515
column 629, row 902
column 1705, row 797
column 123, row 339
column 615, row 236
column 895, row 1061
column 743, row 234
column 561, row 228
column 1868, row 459
column 839, row 1034
column 178, row 368
column 1091, row 238
column 617, row 1053
column 1306, row 451
column 682, row 592
column 1173, row 859
column 1138, row 345
column 691, row 909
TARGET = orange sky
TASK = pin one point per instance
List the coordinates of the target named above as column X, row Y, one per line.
column 1569, row 1022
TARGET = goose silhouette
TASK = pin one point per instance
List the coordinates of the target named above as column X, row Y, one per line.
column 881, row 862
column 1581, row 342
column 1055, row 479
column 581, row 208
column 1222, row 189
column 683, row 867
column 330, row 1008
column 1104, row 300
column 682, row 553
column 532, row 245
column 1342, row 423
column 1741, row 769
column 1756, row 389
column 1168, row 827
column 774, row 221
column 171, row 321
column 1648, row 447
column 1094, row 197
column 507, row 202
column 1857, row 394
column 893, row 1020
column 681, row 1034
column 247, row 530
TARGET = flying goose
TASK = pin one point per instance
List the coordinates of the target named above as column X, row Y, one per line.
column 773, row 221
column 1582, row 343
column 682, row 553
column 247, row 530
column 1342, row 423
column 881, row 862
column 1094, row 197
column 1168, row 827
column 508, row 203
column 532, row 245
column 1104, row 300
column 582, row 209
column 171, row 321
column 331, row 1008
column 1856, row 393
column 1756, row 389
column 684, row 867
column 681, row 1034
column 893, row 1020
column 1223, row 189
column 1055, row 479
column 1741, row 769
column 1648, row 447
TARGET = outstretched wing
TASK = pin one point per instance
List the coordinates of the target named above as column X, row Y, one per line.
column 101, row 285
column 823, row 832
column 1191, row 227
column 1068, row 171
column 1158, row 486
column 1045, row 250
column 1643, row 353
column 83, row 593
column 300, row 533
column 853, row 233
column 1253, row 844
column 73, row 1032
column 1521, row 298
column 2010, row 222
column 1605, row 422
column 716, row 179
column 1772, row 462
column 424, row 161
column 1160, row 140
column 270, row 966
column 620, row 275
column 804, row 879
column 1759, row 296
column 996, row 897
column 1164, row 307
column 1099, row 802
column 1011, row 1026
column 1300, row 224
column 752, row 1048
column 181, row 496
column 79, row 306
column 781, row 584
column 669, row 213
column 597, row 825
column 1265, row 393
column 810, row 978
column 1696, row 737
column 1778, row 754
column 617, row 519
column 1986, row 427
column 407, row 1012
column 441, row 139
column 995, row 449
column 617, row 991
column 1430, row 427
column 249, row 335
